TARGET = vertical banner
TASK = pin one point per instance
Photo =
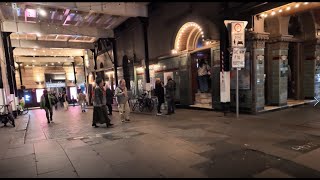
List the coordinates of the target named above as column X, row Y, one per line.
column 225, row 86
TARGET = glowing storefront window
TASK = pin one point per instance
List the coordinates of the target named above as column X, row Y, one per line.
column 39, row 93
column 73, row 92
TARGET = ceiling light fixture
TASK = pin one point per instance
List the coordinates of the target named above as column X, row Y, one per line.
column 42, row 12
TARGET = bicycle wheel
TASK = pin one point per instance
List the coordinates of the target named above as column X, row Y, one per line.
column 141, row 106
column 11, row 120
column 135, row 105
column 150, row 105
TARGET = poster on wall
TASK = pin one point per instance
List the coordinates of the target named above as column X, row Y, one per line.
column 140, row 86
column 225, row 86
column 244, row 75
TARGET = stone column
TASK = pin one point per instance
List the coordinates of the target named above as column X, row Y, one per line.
column 255, row 97
column 278, row 70
column 311, row 69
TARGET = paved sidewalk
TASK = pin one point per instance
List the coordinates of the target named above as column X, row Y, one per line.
column 189, row 143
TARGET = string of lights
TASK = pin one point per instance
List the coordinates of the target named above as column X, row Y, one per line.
column 286, row 8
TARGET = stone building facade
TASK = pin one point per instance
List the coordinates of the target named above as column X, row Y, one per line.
column 282, row 53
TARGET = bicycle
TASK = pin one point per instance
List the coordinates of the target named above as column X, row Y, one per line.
column 142, row 102
column 6, row 116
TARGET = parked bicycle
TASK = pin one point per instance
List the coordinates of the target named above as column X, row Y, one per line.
column 143, row 102
column 6, row 115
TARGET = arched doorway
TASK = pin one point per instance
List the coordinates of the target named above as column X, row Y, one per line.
column 192, row 40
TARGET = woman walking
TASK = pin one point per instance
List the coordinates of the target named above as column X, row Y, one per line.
column 82, row 101
column 122, row 98
column 159, row 92
column 100, row 114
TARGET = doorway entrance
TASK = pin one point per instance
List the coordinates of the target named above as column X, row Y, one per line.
column 201, row 78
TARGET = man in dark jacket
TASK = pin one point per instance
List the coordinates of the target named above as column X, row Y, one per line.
column 109, row 95
column 100, row 114
column 159, row 92
column 170, row 94
column 46, row 104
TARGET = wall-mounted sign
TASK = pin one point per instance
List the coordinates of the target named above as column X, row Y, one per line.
column 283, row 58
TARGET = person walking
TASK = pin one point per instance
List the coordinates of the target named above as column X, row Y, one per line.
column 56, row 100
column 46, row 104
column 170, row 94
column 73, row 101
column 82, row 101
column 65, row 101
column 109, row 95
column 121, row 94
column 100, row 114
column 61, row 100
column 159, row 92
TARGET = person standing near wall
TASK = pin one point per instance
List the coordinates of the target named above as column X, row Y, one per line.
column 170, row 94
column 203, row 72
column 159, row 92
column 46, row 104
column 121, row 93
column 65, row 101
column 109, row 95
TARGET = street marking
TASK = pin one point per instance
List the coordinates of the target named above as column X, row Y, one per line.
column 318, row 100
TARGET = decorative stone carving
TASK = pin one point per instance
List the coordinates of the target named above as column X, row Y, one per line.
column 279, row 45
column 312, row 42
column 281, row 38
column 253, row 36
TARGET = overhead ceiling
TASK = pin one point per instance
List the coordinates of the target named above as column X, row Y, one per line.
column 52, row 37
column 64, row 14
column 40, row 24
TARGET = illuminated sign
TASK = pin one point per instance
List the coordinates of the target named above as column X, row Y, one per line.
column 27, row 98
